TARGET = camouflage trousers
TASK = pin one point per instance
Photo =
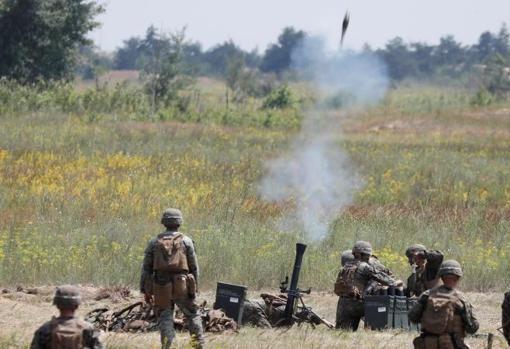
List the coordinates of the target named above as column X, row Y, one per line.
column 349, row 312
column 193, row 323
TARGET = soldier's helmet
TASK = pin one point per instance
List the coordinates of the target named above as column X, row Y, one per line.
column 415, row 248
column 362, row 247
column 67, row 296
column 171, row 216
column 450, row 267
column 346, row 257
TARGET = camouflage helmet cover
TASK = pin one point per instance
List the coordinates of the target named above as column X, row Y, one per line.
column 171, row 216
column 346, row 257
column 362, row 247
column 415, row 248
column 67, row 296
column 450, row 267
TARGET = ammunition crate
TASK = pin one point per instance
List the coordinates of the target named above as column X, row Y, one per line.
column 230, row 298
column 379, row 311
column 400, row 318
column 410, row 303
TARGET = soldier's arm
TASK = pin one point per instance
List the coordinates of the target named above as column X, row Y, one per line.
column 146, row 277
column 41, row 338
column 372, row 273
column 505, row 318
column 374, row 261
column 35, row 341
column 416, row 312
column 192, row 258
column 471, row 324
column 434, row 260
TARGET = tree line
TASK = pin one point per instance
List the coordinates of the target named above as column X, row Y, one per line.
column 404, row 60
column 47, row 40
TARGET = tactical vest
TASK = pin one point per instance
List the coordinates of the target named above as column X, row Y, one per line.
column 170, row 254
column 439, row 315
column 349, row 282
column 67, row 333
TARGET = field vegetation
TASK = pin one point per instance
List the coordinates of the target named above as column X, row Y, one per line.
column 85, row 174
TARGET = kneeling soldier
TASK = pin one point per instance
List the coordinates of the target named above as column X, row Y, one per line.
column 66, row 331
column 443, row 312
column 169, row 277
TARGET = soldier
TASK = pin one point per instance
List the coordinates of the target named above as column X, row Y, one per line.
column 169, row 278
column 443, row 312
column 266, row 313
column 351, row 286
column 506, row 317
column 66, row 331
column 425, row 266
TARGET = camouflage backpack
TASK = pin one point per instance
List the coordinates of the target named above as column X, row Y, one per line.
column 170, row 254
column 67, row 333
column 439, row 314
column 346, row 285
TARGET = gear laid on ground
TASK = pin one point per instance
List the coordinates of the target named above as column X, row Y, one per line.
column 141, row 317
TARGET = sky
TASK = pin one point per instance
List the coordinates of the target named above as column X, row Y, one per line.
column 257, row 23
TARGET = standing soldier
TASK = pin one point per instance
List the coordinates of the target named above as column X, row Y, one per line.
column 346, row 257
column 169, row 277
column 66, row 331
column 506, row 317
column 425, row 266
column 443, row 312
column 351, row 286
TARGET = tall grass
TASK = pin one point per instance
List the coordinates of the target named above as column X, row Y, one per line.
column 81, row 196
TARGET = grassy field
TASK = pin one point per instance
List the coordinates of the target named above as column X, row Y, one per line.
column 84, row 179
column 21, row 314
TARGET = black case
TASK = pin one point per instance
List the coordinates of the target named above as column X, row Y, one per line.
column 230, row 298
column 379, row 311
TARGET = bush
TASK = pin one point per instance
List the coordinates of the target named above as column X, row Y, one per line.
column 280, row 98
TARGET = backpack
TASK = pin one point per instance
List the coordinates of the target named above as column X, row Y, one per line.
column 438, row 316
column 346, row 285
column 66, row 333
column 170, row 254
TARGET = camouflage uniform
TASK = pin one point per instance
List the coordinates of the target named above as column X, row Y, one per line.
column 66, row 297
column 425, row 277
column 187, row 306
column 254, row 314
column 267, row 313
column 506, row 317
column 350, row 308
column 42, row 337
column 463, row 320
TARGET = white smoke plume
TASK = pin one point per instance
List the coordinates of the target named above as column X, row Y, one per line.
column 316, row 174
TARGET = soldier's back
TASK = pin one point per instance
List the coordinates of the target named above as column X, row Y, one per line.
column 64, row 333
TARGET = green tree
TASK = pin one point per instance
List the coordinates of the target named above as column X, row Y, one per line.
column 399, row 59
column 163, row 69
column 497, row 76
column 221, row 55
column 126, row 57
column 39, row 39
column 278, row 57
